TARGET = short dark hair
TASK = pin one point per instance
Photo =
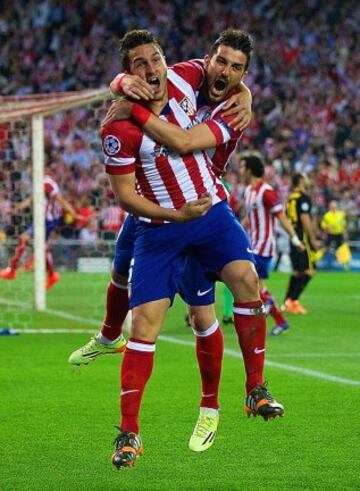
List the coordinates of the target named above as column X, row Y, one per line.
column 296, row 178
column 133, row 39
column 236, row 39
column 255, row 165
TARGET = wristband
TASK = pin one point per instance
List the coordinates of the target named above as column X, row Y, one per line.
column 139, row 114
column 295, row 241
column 118, row 83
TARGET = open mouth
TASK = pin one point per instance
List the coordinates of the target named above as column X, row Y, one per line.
column 220, row 84
column 154, row 82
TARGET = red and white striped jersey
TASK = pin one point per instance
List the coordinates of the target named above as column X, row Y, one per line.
column 219, row 155
column 262, row 206
column 163, row 176
column 53, row 210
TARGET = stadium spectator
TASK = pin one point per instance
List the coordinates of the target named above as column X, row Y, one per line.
column 306, row 112
column 111, row 218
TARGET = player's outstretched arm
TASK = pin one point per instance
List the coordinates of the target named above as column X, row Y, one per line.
column 123, row 187
column 68, row 207
column 199, row 137
column 25, row 203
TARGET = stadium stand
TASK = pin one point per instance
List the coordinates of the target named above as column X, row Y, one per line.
column 304, row 78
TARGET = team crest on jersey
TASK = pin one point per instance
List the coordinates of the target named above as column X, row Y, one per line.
column 160, row 151
column 187, row 106
column 111, row 144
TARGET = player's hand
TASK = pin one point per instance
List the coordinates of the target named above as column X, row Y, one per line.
column 316, row 244
column 238, row 105
column 301, row 247
column 135, row 87
column 194, row 209
column 118, row 111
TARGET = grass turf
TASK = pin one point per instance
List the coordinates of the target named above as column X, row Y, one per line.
column 56, row 422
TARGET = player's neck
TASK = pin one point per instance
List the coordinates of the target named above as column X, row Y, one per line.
column 157, row 106
column 255, row 181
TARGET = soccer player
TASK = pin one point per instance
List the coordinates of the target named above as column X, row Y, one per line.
column 299, row 213
column 263, row 205
column 54, row 204
column 166, row 179
column 110, row 339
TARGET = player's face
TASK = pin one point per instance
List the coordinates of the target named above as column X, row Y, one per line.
column 245, row 174
column 149, row 63
column 224, row 71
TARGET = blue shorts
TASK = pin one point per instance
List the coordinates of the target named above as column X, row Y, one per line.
column 161, row 252
column 195, row 288
column 262, row 265
column 124, row 248
column 50, row 226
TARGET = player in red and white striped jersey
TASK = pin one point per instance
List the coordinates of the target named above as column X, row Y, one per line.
column 149, row 309
column 263, row 206
column 54, row 204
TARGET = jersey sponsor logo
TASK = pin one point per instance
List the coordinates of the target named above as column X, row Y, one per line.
column 201, row 294
column 111, row 145
column 187, row 106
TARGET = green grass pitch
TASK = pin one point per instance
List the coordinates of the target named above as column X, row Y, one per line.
column 56, row 425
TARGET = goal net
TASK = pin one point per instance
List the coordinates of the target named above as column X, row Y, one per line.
column 56, row 136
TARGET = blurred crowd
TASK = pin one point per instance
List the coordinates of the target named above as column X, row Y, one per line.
column 304, row 76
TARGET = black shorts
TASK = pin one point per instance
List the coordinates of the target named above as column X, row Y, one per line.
column 301, row 261
column 334, row 241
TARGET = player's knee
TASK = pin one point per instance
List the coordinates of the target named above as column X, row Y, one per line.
column 251, row 282
column 144, row 327
column 118, row 278
column 202, row 317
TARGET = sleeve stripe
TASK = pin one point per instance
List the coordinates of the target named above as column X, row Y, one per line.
column 119, row 170
column 219, row 132
column 275, row 209
column 118, row 161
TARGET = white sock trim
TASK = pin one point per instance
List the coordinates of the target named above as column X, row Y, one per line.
column 121, row 287
column 209, row 410
column 104, row 340
column 149, row 348
column 252, row 311
column 209, row 331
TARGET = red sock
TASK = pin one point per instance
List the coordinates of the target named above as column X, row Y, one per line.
column 265, row 295
column 117, row 307
column 274, row 310
column 19, row 251
column 49, row 262
column 209, row 352
column 276, row 314
column 136, row 369
column 251, row 330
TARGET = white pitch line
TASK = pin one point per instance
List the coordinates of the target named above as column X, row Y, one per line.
column 282, row 366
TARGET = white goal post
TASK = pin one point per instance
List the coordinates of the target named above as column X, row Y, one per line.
column 36, row 108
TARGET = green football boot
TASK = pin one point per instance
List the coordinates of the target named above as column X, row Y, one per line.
column 205, row 431
column 94, row 348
